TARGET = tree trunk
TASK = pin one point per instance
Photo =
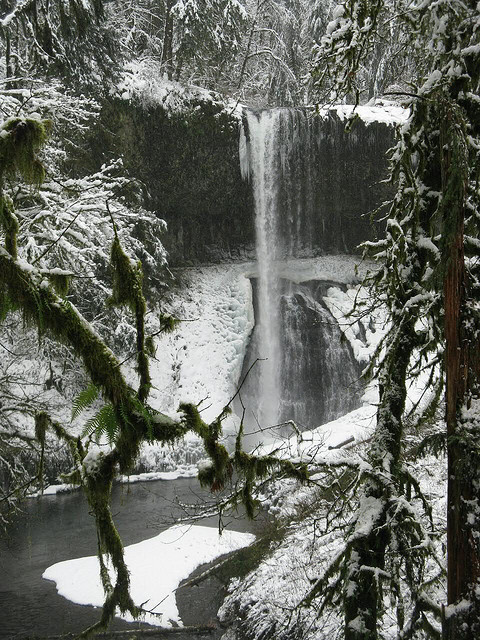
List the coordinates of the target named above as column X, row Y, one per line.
column 167, row 48
column 367, row 560
column 462, row 368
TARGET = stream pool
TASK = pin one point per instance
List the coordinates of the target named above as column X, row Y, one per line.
column 56, row 528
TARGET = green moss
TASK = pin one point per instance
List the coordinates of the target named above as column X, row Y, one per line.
column 60, row 282
column 150, row 347
column 127, row 290
column 127, row 278
column 20, row 140
column 9, row 222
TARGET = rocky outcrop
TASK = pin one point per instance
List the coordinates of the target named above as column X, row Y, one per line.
column 319, row 375
column 189, row 166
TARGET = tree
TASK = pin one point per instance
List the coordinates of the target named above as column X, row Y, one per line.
column 428, row 276
column 57, row 38
column 193, row 40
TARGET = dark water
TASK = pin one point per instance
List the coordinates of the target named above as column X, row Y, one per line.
column 56, row 528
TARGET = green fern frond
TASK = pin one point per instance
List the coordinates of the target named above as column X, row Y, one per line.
column 104, row 423
column 84, row 400
column 144, row 412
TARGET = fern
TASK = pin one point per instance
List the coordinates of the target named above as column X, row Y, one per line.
column 84, row 400
column 147, row 416
column 144, row 412
column 102, row 423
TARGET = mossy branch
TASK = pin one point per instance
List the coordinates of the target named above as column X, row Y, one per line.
column 127, row 290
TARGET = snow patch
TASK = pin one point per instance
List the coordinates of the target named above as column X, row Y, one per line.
column 157, row 566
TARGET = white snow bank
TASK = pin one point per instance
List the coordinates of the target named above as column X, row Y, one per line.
column 325, row 441
column 338, row 268
column 363, row 331
column 385, row 112
column 202, row 359
column 180, row 472
column 157, row 566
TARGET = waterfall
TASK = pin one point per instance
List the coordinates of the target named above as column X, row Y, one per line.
column 262, row 169
column 304, row 371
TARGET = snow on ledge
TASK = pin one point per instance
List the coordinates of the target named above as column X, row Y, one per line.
column 382, row 111
column 157, row 566
column 144, row 80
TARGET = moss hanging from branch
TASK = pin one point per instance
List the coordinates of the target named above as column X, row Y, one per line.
column 9, row 222
column 20, row 141
column 127, row 290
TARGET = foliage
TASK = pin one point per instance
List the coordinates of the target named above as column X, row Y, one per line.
column 435, row 172
column 193, row 40
column 58, row 37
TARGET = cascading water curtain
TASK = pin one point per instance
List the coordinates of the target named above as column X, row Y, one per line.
column 273, row 147
column 260, row 163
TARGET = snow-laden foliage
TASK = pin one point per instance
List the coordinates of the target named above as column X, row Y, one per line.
column 273, row 601
column 428, row 286
column 194, row 40
column 66, row 37
column 374, row 45
column 63, row 229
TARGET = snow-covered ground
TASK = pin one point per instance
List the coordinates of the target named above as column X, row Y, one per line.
column 266, row 602
column 201, row 360
column 377, row 111
column 157, row 566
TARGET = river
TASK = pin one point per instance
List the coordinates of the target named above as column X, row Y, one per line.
column 56, row 528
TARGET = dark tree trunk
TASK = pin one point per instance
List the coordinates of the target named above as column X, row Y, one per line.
column 167, row 49
column 462, row 374
column 362, row 601
column 455, row 391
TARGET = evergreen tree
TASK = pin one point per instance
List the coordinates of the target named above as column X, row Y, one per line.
column 194, row 40
column 428, row 276
column 62, row 38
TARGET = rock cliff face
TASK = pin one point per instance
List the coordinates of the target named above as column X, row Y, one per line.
column 189, row 166
column 268, row 186
column 319, row 376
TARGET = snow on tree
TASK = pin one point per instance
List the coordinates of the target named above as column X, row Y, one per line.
column 65, row 38
column 428, row 278
column 194, row 40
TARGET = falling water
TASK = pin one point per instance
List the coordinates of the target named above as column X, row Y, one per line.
column 305, row 373
column 261, row 167
column 276, row 158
